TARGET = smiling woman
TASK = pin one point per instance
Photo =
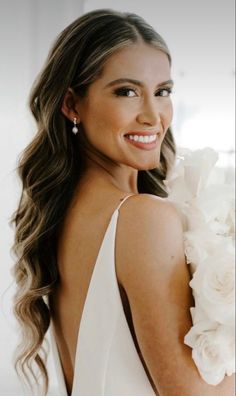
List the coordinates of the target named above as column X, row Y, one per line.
column 90, row 267
column 124, row 121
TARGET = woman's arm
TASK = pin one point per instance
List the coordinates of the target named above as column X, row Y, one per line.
column 155, row 276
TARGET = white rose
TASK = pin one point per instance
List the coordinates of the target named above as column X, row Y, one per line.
column 198, row 315
column 212, row 350
column 178, row 191
column 215, row 203
column 196, row 181
column 198, row 167
column 194, row 245
column 214, row 286
column 200, row 243
column 190, row 173
column 195, row 216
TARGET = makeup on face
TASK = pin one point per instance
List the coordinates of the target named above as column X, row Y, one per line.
column 128, row 109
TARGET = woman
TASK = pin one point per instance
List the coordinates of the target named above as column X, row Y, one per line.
column 100, row 250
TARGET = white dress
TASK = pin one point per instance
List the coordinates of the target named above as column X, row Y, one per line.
column 106, row 361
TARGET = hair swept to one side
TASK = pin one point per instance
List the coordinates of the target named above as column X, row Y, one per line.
column 50, row 167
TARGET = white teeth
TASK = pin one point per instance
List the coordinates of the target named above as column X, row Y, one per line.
column 142, row 139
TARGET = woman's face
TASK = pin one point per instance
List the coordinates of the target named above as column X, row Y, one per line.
column 128, row 109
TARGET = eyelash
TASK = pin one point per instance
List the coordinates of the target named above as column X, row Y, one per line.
column 124, row 90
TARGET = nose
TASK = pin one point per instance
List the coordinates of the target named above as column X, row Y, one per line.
column 149, row 114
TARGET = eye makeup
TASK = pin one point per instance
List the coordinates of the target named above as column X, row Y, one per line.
column 167, row 91
column 124, row 91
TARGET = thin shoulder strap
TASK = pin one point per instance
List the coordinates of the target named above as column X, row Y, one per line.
column 124, row 199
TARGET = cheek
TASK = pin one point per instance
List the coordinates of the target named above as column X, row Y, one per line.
column 107, row 116
column 118, row 112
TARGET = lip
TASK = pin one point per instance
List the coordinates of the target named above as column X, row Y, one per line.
column 143, row 146
column 143, row 133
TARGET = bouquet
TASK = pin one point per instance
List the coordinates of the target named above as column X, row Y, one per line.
column 204, row 197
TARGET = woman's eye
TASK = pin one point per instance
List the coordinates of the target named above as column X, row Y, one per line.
column 128, row 92
column 164, row 92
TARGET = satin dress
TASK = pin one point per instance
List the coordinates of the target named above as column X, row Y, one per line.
column 106, row 361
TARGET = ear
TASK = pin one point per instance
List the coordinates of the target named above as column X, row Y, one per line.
column 69, row 106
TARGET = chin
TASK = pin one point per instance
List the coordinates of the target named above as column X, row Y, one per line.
column 145, row 164
column 150, row 165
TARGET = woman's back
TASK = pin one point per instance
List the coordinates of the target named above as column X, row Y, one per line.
column 87, row 224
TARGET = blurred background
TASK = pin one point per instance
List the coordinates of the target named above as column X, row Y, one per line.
column 200, row 36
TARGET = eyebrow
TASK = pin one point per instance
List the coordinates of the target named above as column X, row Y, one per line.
column 135, row 82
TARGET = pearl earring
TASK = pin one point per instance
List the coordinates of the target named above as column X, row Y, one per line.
column 75, row 128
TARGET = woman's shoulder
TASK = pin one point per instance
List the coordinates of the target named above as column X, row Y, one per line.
column 149, row 210
column 149, row 231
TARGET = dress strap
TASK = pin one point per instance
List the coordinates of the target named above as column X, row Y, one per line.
column 124, row 199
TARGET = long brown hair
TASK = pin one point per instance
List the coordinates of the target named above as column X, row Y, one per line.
column 50, row 167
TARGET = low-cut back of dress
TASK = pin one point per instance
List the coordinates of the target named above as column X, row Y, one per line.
column 106, row 361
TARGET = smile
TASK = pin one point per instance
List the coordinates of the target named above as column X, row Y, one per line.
column 144, row 142
column 142, row 139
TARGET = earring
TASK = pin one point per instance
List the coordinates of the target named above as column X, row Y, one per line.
column 75, row 128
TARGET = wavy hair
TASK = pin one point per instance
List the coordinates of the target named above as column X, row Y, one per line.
column 51, row 165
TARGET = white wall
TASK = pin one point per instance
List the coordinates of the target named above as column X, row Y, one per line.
column 200, row 37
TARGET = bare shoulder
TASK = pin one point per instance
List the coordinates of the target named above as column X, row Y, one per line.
column 149, row 227
column 145, row 201
column 149, row 210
